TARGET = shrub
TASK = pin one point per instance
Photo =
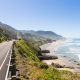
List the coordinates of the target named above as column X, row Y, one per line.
column 43, row 65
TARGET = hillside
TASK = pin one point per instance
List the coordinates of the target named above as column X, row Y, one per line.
column 49, row 34
column 8, row 30
column 29, row 67
column 43, row 34
column 3, row 36
column 31, row 36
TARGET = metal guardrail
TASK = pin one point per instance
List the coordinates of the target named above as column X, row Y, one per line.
column 11, row 70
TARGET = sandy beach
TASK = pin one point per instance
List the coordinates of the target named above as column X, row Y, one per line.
column 61, row 60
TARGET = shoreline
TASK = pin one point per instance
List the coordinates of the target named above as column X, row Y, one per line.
column 61, row 60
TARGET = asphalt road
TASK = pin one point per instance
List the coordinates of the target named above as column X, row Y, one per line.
column 5, row 51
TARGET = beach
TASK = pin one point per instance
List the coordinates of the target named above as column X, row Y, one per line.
column 68, row 65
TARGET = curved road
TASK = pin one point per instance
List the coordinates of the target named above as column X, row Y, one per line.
column 5, row 51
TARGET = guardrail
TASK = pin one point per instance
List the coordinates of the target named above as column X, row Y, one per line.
column 11, row 70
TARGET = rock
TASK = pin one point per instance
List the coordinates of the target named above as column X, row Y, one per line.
column 47, row 57
column 57, row 65
column 45, row 51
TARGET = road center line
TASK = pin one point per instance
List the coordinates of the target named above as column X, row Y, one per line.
column 4, row 59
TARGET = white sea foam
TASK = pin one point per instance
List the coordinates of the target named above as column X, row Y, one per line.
column 75, row 50
column 71, row 49
column 78, row 56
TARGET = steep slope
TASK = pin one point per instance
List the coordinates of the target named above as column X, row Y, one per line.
column 3, row 36
column 29, row 67
column 8, row 30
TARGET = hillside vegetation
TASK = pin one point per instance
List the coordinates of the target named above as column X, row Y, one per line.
column 29, row 67
column 8, row 30
column 3, row 36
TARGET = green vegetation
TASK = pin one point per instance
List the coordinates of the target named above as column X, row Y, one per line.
column 10, row 32
column 29, row 67
column 3, row 36
column 7, row 32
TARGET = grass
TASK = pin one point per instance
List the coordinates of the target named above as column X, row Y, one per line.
column 29, row 67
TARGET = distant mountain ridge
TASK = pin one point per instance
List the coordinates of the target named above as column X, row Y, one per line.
column 28, row 34
column 45, row 34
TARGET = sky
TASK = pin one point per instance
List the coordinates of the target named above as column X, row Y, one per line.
column 59, row 16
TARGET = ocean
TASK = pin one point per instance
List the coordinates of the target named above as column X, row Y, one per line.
column 70, row 50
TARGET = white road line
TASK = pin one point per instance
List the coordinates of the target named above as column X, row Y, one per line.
column 4, row 60
column 8, row 66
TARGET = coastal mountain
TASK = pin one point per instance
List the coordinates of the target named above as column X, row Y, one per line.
column 31, row 36
column 8, row 30
column 43, row 34
column 49, row 34
column 28, row 35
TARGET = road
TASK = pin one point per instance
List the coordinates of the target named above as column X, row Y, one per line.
column 5, row 49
